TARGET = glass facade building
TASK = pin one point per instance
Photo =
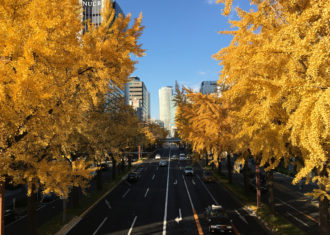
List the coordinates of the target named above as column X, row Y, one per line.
column 167, row 108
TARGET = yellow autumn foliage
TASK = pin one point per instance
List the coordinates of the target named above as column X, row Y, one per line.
column 52, row 78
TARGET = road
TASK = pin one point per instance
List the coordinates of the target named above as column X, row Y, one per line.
column 163, row 201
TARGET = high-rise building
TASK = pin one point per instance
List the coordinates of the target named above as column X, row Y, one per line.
column 209, row 87
column 92, row 11
column 139, row 98
column 167, row 108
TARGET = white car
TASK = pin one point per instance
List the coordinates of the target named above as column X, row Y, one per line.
column 163, row 163
column 182, row 156
column 188, row 170
column 157, row 156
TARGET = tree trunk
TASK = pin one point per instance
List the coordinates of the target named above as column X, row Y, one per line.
column 99, row 182
column 129, row 162
column 258, row 184
column 229, row 168
column 32, row 213
column 246, row 176
column 114, row 167
column 206, row 159
column 219, row 165
column 2, row 211
column 324, row 209
column 75, row 197
column 270, row 188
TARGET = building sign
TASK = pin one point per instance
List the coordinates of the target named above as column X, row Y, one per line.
column 91, row 3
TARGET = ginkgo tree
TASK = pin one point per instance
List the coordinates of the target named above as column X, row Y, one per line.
column 279, row 59
column 51, row 76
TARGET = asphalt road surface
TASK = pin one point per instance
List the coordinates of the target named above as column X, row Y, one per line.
column 164, row 201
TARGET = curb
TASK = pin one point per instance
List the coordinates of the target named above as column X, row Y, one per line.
column 66, row 228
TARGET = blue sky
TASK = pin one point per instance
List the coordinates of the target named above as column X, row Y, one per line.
column 180, row 36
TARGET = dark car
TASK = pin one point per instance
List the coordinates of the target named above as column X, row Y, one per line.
column 218, row 220
column 163, row 163
column 208, row 177
column 10, row 216
column 133, row 177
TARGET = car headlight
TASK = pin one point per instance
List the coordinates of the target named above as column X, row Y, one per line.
column 229, row 227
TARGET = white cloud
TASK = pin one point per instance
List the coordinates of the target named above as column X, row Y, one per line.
column 202, row 73
column 210, row 2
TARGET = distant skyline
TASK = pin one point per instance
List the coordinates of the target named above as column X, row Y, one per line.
column 179, row 37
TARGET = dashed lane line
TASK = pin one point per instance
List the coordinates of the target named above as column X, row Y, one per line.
column 101, row 224
column 145, row 195
column 126, row 193
column 299, row 220
column 131, row 228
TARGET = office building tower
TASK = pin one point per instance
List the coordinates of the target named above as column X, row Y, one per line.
column 139, row 98
column 209, row 87
column 167, row 108
column 92, row 11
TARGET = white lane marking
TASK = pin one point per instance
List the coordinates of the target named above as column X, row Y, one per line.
column 191, row 203
column 130, row 230
column 307, row 216
column 178, row 219
column 42, row 206
column 299, row 220
column 108, row 204
column 153, row 177
column 98, row 228
column 146, row 192
column 241, row 216
column 175, row 182
column 126, row 193
column 208, row 191
column 166, row 198
column 193, row 182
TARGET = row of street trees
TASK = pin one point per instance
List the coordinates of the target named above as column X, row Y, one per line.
column 275, row 97
column 56, row 121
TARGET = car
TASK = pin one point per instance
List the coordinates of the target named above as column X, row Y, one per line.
column 157, row 156
column 163, row 163
column 188, row 170
column 208, row 177
column 10, row 215
column 218, row 220
column 182, row 156
column 132, row 177
column 174, row 157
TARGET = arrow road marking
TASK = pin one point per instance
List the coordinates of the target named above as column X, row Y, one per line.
column 300, row 221
column 241, row 216
column 175, row 182
column 98, row 228
column 146, row 192
column 153, row 177
column 130, row 230
column 126, row 193
column 178, row 219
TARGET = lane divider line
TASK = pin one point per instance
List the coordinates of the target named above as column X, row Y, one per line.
column 199, row 227
column 131, row 228
column 242, row 217
column 166, row 197
column 193, row 182
column 126, row 193
column 98, row 228
column 299, row 220
column 302, row 213
column 108, row 203
column 153, row 177
column 146, row 192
